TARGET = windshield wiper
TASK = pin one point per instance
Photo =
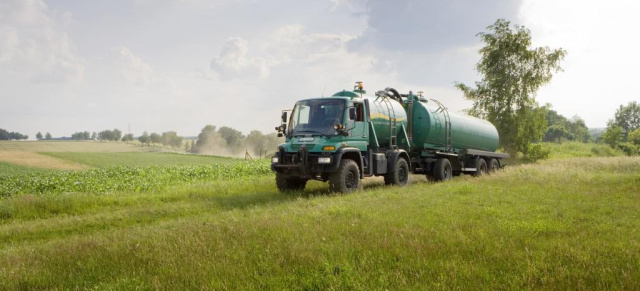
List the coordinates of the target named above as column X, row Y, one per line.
column 313, row 131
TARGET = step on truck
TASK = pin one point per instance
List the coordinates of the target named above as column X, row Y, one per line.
column 351, row 135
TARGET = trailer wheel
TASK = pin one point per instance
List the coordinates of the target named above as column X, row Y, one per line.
column 400, row 175
column 481, row 167
column 494, row 165
column 346, row 179
column 442, row 170
column 286, row 184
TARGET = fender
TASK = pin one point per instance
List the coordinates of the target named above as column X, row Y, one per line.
column 337, row 158
column 393, row 159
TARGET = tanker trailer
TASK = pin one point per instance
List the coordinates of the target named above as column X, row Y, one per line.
column 342, row 139
column 443, row 143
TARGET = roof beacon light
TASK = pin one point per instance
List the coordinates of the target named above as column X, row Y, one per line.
column 359, row 85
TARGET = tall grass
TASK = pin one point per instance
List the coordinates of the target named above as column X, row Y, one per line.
column 561, row 224
column 572, row 149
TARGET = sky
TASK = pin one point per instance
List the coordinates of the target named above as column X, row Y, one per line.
column 178, row 65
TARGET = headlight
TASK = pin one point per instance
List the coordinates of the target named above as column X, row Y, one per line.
column 324, row 160
column 274, row 160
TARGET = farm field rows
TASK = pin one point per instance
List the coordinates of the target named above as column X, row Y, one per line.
column 559, row 224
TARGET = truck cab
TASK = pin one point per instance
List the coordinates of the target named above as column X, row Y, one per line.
column 336, row 139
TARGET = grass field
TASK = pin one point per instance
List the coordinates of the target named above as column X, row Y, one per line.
column 564, row 223
column 140, row 159
column 71, row 146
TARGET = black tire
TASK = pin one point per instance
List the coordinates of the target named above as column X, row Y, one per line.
column 287, row 184
column 400, row 175
column 442, row 170
column 494, row 165
column 346, row 179
column 481, row 167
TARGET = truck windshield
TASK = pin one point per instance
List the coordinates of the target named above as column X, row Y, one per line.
column 316, row 116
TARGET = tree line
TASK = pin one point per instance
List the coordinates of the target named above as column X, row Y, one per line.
column 228, row 141
column 6, row 135
column 623, row 131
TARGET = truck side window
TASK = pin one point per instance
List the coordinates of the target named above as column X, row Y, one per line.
column 359, row 111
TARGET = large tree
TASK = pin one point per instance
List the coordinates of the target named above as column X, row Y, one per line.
column 614, row 135
column 512, row 72
column 117, row 135
column 232, row 137
column 172, row 139
column 155, row 138
column 144, row 138
column 628, row 117
column 39, row 135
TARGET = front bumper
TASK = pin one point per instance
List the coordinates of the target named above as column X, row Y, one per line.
column 303, row 163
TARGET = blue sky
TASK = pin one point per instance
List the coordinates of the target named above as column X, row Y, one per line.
column 162, row 65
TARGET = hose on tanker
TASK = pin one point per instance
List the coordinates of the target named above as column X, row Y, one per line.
column 395, row 94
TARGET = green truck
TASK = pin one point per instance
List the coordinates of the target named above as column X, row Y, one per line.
column 352, row 135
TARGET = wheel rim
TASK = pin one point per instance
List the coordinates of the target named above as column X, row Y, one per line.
column 483, row 169
column 402, row 175
column 350, row 180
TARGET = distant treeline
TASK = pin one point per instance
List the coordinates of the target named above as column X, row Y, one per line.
column 560, row 128
column 623, row 131
column 228, row 141
column 5, row 135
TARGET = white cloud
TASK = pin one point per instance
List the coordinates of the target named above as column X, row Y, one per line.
column 232, row 62
column 33, row 45
column 132, row 69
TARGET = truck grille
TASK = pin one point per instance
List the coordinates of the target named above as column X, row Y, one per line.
column 296, row 147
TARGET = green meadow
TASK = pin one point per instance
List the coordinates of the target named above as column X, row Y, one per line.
column 570, row 222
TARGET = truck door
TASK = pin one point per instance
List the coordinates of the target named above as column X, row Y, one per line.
column 359, row 126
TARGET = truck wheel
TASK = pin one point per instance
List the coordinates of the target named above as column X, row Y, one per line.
column 494, row 165
column 442, row 170
column 481, row 168
column 346, row 179
column 286, row 184
column 400, row 175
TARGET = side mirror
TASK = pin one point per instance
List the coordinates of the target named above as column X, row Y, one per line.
column 284, row 117
column 352, row 113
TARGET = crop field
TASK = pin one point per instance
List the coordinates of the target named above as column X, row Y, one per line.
column 168, row 221
column 71, row 146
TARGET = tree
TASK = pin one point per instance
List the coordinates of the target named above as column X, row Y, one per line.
column 613, row 136
column 94, row 135
column 4, row 135
column 127, row 137
column 634, row 137
column 48, row 136
column 560, row 128
column 144, row 138
column 155, row 138
column 105, row 135
column 231, row 136
column 206, row 138
column 171, row 139
column 628, row 117
column 512, row 73
column 39, row 135
column 117, row 135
